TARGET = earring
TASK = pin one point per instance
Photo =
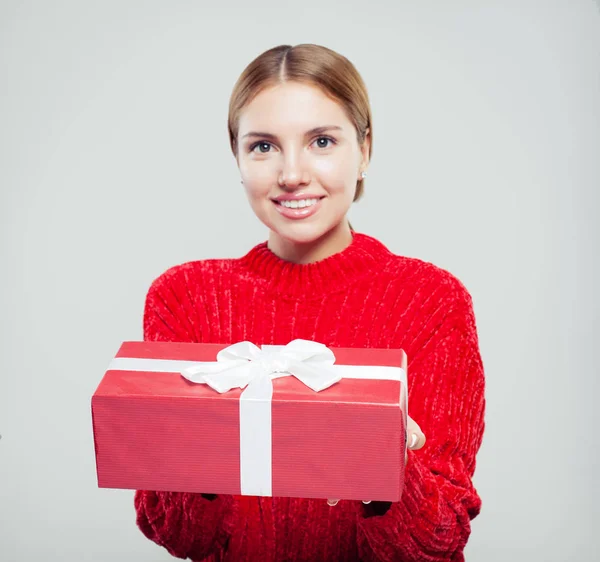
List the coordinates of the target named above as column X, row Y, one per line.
column 363, row 175
column 242, row 182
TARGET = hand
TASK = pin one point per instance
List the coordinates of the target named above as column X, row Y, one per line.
column 416, row 440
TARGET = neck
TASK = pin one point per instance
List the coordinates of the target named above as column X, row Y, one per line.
column 332, row 242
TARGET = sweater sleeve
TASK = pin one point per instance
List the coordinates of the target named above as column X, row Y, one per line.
column 446, row 398
column 186, row 524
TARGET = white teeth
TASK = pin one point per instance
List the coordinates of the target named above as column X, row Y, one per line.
column 299, row 204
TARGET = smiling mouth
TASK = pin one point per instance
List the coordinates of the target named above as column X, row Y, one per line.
column 299, row 203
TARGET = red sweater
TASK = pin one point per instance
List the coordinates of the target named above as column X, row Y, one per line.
column 364, row 296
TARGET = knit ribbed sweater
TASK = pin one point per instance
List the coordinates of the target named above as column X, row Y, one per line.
column 363, row 296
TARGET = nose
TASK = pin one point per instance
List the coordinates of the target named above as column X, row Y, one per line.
column 294, row 173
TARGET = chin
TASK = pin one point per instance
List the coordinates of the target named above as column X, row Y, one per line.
column 302, row 233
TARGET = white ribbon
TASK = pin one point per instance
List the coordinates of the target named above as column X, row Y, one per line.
column 246, row 366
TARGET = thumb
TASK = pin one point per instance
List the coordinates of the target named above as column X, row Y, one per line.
column 416, row 438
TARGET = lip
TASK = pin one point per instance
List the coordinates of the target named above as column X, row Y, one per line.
column 296, row 197
column 297, row 214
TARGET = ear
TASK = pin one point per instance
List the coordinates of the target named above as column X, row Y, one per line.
column 364, row 149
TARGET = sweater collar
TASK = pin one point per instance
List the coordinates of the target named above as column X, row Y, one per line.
column 362, row 257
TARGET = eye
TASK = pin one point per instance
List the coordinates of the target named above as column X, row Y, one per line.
column 263, row 147
column 323, row 142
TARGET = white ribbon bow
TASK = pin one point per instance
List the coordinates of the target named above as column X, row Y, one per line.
column 244, row 365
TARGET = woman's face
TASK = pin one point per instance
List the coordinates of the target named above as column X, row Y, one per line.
column 299, row 158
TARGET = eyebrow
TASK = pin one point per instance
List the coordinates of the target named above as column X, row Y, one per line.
column 315, row 131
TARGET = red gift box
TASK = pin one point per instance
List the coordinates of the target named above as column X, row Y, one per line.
column 155, row 429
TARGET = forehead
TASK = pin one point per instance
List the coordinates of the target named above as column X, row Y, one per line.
column 292, row 105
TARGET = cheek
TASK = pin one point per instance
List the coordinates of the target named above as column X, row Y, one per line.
column 336, row 173
column 257, row 176
column 258, row 189
column 255, row 191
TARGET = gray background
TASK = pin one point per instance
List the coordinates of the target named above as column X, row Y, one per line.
column 115, row 165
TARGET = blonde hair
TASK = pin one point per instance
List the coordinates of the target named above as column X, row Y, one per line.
column 312, row 64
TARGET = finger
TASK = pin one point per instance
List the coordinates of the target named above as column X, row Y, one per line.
column 416, row 441
column 332, row 502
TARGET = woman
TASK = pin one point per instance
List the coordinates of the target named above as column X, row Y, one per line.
column 301, row 133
